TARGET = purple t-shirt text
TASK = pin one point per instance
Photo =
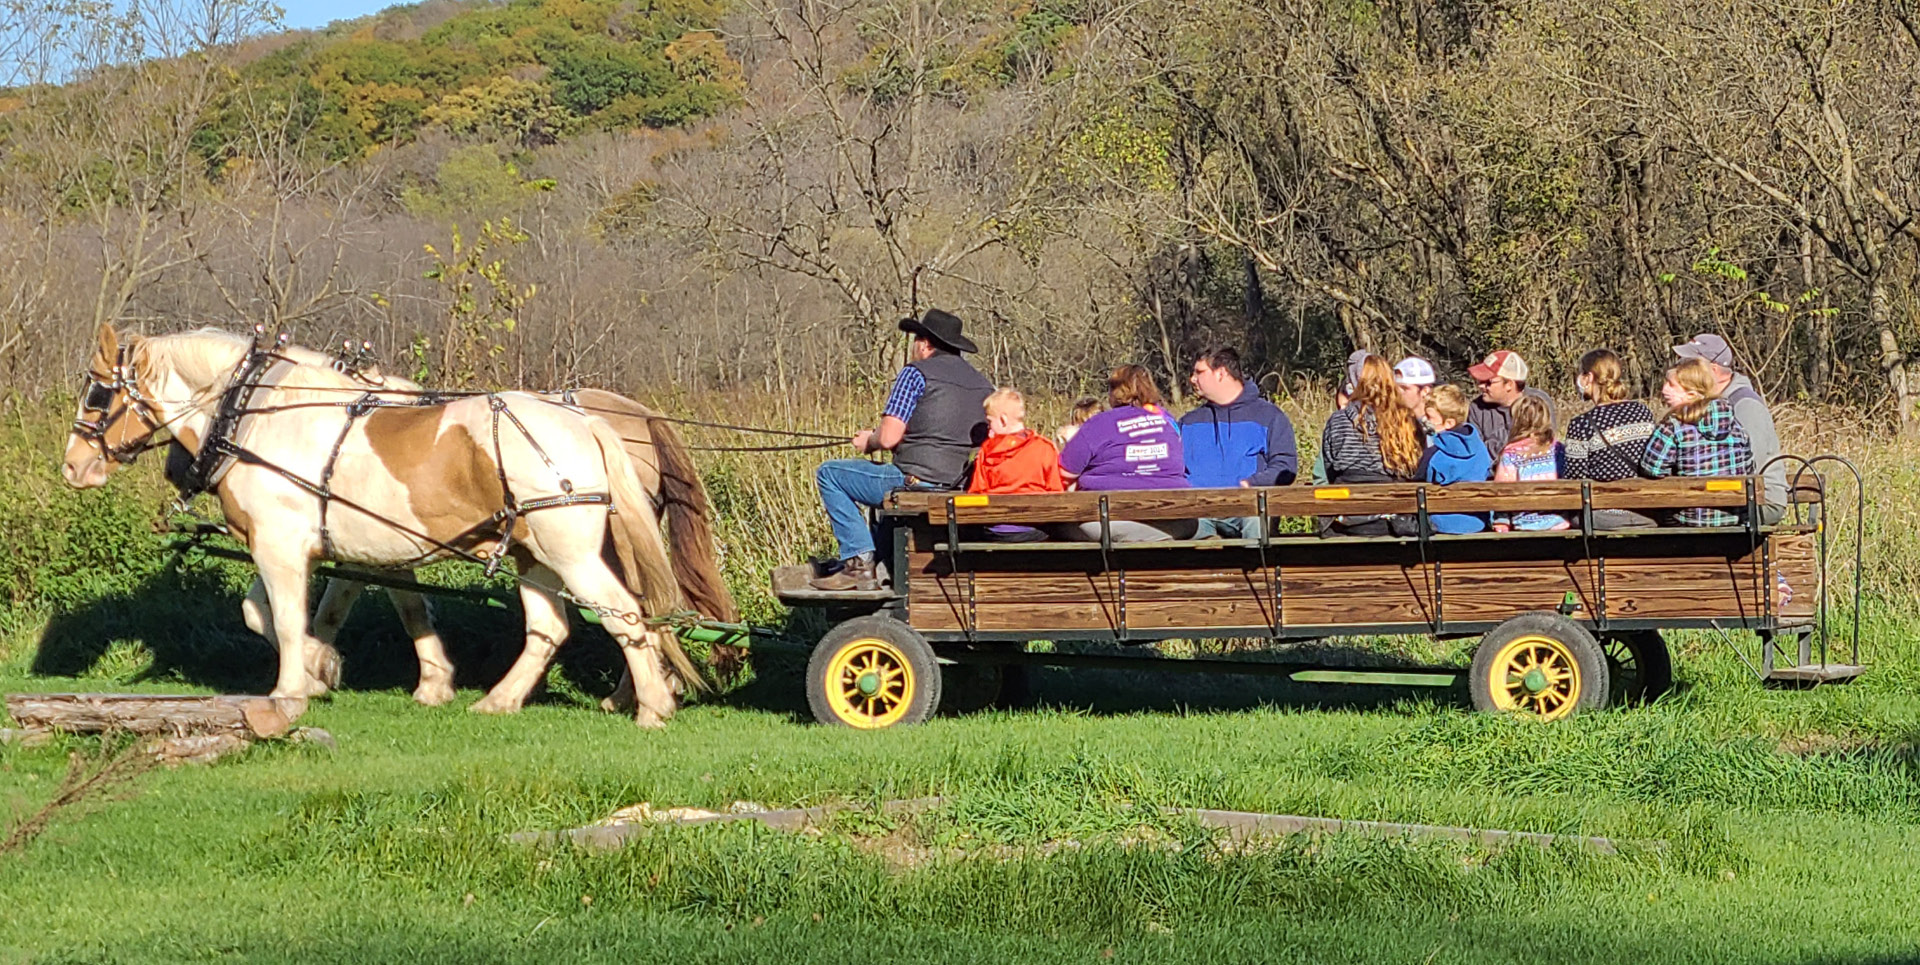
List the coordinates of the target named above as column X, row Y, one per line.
column 1127, row 448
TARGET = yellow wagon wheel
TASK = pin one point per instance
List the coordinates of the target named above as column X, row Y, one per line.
column 873, row 672
column 1536, row 675
column 1539, row 665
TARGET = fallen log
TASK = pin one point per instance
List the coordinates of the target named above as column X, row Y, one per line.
column 201, row 749
column 249, row 717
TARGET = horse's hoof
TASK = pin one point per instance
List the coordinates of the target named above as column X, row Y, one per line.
column 493, row 705
column 432, row 695
column 324, row 664
column 647, row 720
column 618, row 703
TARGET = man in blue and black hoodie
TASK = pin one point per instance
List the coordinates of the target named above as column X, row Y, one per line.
column 1235, row 438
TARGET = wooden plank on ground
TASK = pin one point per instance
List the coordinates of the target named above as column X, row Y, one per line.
column 178, row 716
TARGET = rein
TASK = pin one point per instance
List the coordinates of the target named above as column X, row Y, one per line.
column 817, row 440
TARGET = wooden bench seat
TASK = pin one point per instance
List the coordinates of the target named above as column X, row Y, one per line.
column 1733, row 492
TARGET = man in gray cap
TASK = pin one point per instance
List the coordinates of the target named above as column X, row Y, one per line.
column 1750, row 410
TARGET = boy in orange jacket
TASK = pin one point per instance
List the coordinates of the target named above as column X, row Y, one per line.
column 1014, row 459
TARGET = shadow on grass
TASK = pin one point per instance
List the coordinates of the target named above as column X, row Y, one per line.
column 187, row 623
column 779, row 681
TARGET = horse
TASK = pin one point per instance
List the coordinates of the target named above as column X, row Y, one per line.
column 301, row 478
column 659, row 455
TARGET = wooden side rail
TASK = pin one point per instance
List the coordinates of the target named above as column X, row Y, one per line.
column 1730, row 492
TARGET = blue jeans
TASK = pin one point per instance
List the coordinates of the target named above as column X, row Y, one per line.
column 1237, row 527
column 845, row 486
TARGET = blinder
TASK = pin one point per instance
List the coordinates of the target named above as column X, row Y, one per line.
column 98, row 396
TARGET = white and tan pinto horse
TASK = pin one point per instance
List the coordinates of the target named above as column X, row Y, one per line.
column 112, row 437
column 406, row 485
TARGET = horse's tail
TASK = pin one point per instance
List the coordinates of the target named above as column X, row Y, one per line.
column 696, row 563
column 641, row 549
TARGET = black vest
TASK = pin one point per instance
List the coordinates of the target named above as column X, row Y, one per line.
column 948, row 423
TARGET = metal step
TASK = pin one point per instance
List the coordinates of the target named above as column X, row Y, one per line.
column 790, row 583
column 1815, row 673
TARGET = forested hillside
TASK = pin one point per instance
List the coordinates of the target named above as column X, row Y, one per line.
column 747, row 193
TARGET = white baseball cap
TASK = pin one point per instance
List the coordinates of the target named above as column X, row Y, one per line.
column 1414, row 370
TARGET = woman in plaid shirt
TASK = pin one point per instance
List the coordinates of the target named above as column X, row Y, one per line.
column 1699, row 437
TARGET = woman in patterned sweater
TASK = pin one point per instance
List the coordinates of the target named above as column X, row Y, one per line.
column 1605, row 443
column 1700, row 437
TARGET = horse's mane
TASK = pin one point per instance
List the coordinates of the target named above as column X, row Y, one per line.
column 201, row 357
column 206, row 356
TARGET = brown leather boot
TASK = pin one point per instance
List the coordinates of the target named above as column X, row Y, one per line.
column 856, row 574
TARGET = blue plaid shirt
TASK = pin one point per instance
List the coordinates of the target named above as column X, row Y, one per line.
column 1716, row 446
column 908, row 387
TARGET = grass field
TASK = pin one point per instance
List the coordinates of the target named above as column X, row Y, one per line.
column 1788, row 823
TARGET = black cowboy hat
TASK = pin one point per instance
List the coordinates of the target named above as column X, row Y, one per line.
column 941, row 328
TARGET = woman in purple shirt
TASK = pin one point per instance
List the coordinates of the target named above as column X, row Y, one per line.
column 1135, row 444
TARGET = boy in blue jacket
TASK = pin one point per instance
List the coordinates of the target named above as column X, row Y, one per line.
column 1235, row 438
column 1457, row 453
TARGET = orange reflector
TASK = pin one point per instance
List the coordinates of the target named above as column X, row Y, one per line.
column 1725, row 485
column 1332, row 494
column 973, row 500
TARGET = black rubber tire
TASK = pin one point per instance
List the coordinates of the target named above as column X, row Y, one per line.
column 968, row 688
column 1593, row 681
column 1639, row 663
column 914, row 656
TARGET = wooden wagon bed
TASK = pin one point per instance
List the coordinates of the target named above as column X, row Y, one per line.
column 1567, row 620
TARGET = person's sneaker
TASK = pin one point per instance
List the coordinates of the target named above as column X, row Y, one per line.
column 856, row 574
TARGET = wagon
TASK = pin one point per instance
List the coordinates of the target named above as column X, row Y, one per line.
column 1567, row 621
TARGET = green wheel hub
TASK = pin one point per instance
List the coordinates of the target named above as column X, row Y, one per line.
column 869, row 684
column 1535, row 681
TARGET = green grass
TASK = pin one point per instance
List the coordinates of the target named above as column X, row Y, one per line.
column 1788, row 822
column 369, row 852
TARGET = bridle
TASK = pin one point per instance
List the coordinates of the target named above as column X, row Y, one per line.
column 100, row 395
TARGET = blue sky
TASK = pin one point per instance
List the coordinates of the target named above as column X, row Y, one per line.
column 319, row 13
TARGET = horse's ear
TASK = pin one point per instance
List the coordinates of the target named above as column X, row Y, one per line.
column 109, row 341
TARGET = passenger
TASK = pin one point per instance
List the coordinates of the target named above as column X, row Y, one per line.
column 1135, row 444
column 1235, row 438
column 1502, row 378
column 1341, row 396
column 932, row 422
column 1699, row 437
column 1750, row 410
column 1373, row 439
column 1457, row 455
column 1605, row 443
column 1531, row 455
column 1415, row 380
column 1084, row 408
column 1014, row 459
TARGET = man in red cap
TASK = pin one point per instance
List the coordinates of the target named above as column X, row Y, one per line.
column 1751, row 412
column 1502, row 378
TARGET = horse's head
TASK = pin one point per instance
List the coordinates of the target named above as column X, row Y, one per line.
column 115, row 423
